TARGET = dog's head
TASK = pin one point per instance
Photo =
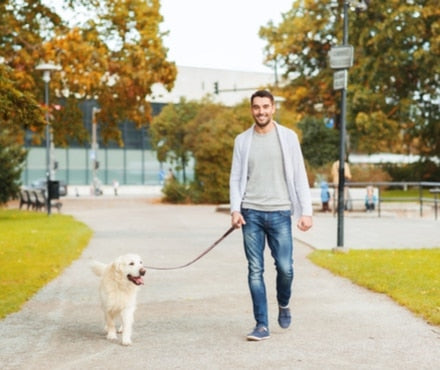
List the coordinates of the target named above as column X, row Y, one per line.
column 131, row 267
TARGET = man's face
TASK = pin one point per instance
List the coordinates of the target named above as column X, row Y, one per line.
column 262, row 111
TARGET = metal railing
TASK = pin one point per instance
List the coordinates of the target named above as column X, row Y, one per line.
column 432, row 187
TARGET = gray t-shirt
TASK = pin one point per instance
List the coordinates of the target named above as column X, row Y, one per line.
column 266, row 188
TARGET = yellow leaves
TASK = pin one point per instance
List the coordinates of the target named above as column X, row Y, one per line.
column 300, row 93
column 379, row 132
column 83, row 61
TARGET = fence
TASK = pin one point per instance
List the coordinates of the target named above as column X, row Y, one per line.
column 427, row 195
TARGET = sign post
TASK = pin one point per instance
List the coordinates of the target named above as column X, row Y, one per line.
column 341, row 58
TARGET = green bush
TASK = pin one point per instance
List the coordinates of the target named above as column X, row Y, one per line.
column 175, row 192
column 418, row 171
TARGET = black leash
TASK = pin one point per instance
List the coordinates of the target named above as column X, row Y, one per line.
column 198, row 257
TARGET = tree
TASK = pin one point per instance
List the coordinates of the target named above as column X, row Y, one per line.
column 299, row 45
column 18, row 110
column 12, row 157
column 393, row 89
column 169, row 130
column 320, row 145
column 211, row 139
column 114, row 57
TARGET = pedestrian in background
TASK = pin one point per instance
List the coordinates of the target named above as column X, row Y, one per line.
column 268, row 184
column 170, row 176
column 115, row 187
column 325, row 196
column 370, row 199
column 347, row 178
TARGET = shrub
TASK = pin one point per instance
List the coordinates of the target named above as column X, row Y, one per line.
column 175, row 192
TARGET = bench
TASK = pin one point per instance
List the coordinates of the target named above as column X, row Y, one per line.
column 25, row 199
column 36, row 200
column 40, row 199
column 54, row 203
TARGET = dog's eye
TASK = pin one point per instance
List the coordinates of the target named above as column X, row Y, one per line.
column 131, row 263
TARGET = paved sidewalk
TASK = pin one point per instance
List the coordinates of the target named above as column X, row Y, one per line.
column 367, row 231
column 197, row 318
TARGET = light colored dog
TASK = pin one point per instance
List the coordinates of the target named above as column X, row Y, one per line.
column 120, row 281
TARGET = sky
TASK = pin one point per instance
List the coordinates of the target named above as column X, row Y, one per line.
column 219, row 34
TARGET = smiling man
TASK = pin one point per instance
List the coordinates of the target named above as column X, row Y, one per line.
column 268, row 184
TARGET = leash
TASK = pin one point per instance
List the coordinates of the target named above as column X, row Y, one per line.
column 232, row 228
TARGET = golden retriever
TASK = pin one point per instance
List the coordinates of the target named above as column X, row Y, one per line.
column 120, row 281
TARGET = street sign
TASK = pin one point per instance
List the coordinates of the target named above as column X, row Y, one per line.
column 340, row 80
column 341, row 57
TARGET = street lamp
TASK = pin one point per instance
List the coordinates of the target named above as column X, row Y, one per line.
column 341, row 58
column 47, row 68
column 95, row 164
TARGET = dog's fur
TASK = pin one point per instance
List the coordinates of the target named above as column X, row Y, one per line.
column 120, row 281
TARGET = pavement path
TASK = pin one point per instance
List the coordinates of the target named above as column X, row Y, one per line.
column 367, row 231
column 197, row 318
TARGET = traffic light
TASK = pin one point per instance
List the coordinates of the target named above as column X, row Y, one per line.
column 216, row 88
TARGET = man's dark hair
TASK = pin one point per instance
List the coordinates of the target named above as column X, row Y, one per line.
column 262, row 94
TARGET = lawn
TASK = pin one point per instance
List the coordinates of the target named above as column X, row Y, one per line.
column 34, row 249
column 410, row 277
column 410, row 195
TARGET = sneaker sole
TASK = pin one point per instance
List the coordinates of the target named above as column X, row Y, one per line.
column 251, row 338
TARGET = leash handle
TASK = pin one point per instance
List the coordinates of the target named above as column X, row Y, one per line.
column 230, row 230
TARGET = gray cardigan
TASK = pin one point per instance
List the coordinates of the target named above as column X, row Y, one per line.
column 296, row 176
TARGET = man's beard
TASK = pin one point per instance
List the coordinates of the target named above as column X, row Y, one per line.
column 262, row 124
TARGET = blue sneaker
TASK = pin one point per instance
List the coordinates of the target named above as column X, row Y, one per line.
column 284, row 317
column 259, row 333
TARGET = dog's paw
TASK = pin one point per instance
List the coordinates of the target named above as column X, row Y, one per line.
column 112, row 336
column 126, row 342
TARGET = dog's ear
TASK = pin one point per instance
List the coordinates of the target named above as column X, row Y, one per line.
column 117, row 268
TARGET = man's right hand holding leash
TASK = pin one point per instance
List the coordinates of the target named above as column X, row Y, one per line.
column 237, row 220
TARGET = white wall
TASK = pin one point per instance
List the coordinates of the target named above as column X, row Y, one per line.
column 196, row 83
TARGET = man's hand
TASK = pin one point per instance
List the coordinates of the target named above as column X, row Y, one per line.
column 304, row 223
column 237, row 220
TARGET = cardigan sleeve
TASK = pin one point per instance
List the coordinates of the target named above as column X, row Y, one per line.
column 235, row 178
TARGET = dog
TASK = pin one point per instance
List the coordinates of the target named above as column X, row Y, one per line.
column 120, row 281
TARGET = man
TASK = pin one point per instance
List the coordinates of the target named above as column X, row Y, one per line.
column 347, row 177
column 268, row 184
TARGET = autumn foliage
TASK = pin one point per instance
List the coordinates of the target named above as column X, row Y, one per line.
column 110, row 51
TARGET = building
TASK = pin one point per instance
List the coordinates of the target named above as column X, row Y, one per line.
column 136, row 163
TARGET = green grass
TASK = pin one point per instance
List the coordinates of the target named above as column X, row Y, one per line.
column 411, row 194
column 34, row 249
column 410, row 277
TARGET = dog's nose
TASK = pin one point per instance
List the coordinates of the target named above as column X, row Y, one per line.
column 142, row 271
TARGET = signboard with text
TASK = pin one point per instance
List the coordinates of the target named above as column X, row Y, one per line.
column 340, row 80
column 341, row 57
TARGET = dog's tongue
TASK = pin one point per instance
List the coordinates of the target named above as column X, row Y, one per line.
column 138, row 280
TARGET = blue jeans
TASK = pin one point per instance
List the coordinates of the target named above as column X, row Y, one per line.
column 276, row 227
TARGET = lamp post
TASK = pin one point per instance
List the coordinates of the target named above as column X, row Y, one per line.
column 47, row 68
column 341, row 58
column 342, row 139
column 95, row 164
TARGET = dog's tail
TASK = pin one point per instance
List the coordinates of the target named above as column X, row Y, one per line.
column 98, row 267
